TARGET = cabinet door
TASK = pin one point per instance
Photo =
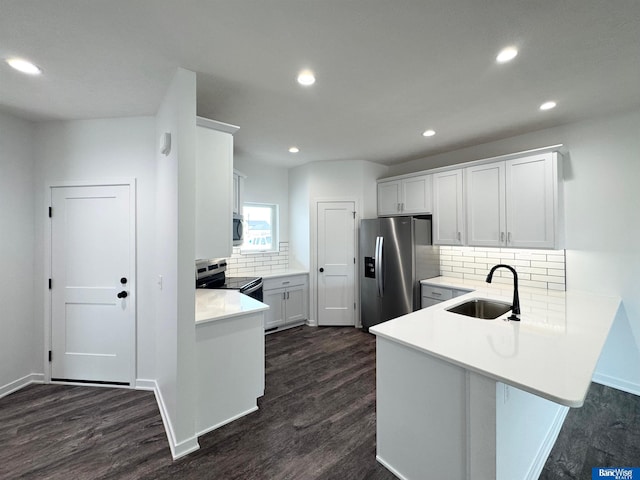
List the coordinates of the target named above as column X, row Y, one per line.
column 530, row 190
column 274, row 317
column 389, row 198
column 416, row 195
column 485, row 197
column 448, row 225
column 429, row 302
column 295, row 305
column 214, row 189
column 236, row 194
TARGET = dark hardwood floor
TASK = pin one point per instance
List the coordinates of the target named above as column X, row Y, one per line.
column 316, row 421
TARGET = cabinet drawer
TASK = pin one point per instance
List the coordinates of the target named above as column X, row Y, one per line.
column 284, row 282
column 437, row 292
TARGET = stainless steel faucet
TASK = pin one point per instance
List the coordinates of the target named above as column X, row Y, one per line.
column 515, row 307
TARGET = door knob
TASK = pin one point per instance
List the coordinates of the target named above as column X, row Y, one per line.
column 321, row 269
column 123, row 280
column 123, row 294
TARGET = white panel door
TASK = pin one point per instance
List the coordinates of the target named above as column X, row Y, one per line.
column 389, row 198
column 93, row 319
column 336, row 263
column 530, row 191
column 448, row 227
column 274, row 317
column 485, row 196
column 417, row 195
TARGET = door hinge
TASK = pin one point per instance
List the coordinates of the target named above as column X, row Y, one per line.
column 49, row 284
column 354, row 260
column 50, row 355
column 50, row 212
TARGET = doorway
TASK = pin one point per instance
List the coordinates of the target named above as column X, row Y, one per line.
column 335, row 263
column 92, row 284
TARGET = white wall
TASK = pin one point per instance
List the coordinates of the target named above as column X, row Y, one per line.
column 267, row 184
column 340, row 180
column 174, row 262
column 602, row 201
column 96, row 150
column 18, row 356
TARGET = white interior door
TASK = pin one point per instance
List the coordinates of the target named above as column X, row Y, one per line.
column 336, row 263
column 93, row 284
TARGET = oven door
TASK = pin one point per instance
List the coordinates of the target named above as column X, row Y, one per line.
column 254, row 291
column 238, row 230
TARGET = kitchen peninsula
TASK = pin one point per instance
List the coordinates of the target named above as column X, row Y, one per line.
column 230, row 356
column 462, row 397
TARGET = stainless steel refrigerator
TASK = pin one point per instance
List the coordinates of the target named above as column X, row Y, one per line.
column 395, row 254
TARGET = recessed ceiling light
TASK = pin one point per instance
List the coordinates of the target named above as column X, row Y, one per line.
column 24, row 66
column 294, row 150
column 306, row 78
column 428, row 133
column 547, row 105
column 507, row 54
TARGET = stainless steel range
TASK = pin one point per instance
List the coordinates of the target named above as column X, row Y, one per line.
column 211, row 274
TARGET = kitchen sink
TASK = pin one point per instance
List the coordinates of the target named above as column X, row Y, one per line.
column 481, row 308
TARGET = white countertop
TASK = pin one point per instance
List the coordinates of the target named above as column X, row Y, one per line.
column 213, row 305
column 284, row 273
column 552, row 352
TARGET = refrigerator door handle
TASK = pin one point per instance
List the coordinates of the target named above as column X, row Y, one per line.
column 379, row 271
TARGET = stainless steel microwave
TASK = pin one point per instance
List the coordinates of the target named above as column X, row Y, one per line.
column 238, row 230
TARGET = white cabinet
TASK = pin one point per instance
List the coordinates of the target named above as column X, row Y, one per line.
column 432, row 294
column 214, row 188
column 448, row 208
column 407, row 196
column 533, row 198
column 513, row 203
column 238, row 191
column 287, row 298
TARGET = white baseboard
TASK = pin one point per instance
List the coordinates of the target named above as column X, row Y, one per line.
column 390, row 468
column 180, row 449
column 21, row 383
column 547, row 445
column 617, row 383
column 229, row 420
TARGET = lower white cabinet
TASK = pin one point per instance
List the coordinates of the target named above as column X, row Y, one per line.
column 287, row 298
column 432, row 295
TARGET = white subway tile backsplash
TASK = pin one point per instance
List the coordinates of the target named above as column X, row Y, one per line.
column 258, row 263
column 536, row 268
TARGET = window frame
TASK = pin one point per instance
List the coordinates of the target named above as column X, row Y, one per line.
column 275, row 227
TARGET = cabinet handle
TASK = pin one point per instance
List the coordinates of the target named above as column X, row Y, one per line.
column 509, row 237
column 285, row 283
column 459, row 236
column 501, row 237
column 399, row 207
column 284, row 296
column 287, row 295
column 436, row 294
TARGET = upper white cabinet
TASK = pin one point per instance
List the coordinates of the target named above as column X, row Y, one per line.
column 513, row 203
column 238, row 191
column 533, row 197
column 407, row 196
column 214, row 188
column 448, row 208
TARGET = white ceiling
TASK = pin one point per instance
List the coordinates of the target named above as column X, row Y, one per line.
column 386, row 69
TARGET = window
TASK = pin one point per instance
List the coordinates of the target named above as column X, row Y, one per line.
column 260, row 228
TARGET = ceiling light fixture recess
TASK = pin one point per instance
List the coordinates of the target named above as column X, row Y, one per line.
column 547, row 105
column 507, row 54
column 428, row 133
column 24, row 66
column 306, row 78
column 294, row 149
